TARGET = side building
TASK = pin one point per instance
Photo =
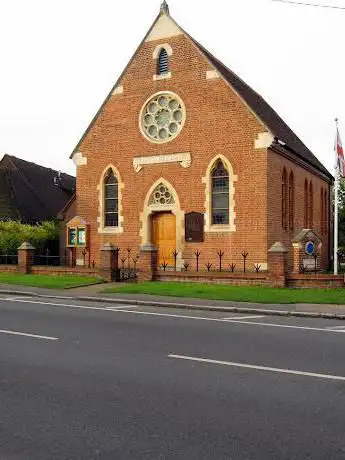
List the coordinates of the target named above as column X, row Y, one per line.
column 32, row 193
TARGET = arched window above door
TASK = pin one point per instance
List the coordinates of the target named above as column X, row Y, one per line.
column 162, row 196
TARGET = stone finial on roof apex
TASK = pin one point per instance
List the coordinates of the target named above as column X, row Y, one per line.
column 164, row 7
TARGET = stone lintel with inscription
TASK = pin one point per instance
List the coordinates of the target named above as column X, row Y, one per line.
column 184, row 159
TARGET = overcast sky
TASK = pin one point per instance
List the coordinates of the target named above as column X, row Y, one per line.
column 59, row 59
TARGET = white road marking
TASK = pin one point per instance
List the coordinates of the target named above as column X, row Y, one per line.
column 338, row 328
column 230, row 318
column 259, row 368
column 121, row 309
column 35, row 336
column 84, row 307
column 232, row 321
column 17, row 298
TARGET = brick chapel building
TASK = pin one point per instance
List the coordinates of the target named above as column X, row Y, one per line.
column 184, row 156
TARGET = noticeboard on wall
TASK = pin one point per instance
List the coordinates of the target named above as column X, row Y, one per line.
column 194, row 227
column 81, row 236
column 72, row 236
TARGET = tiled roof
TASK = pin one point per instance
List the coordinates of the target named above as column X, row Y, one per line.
column 28, row 191
column 265, row 112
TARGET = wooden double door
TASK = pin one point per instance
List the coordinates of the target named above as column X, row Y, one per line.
column 163, row 236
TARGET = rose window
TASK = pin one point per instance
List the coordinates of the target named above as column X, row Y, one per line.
column 162, row 195
column 162, row 117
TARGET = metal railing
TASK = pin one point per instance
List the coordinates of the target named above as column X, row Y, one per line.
column 218, row 261
column 8, row 259
column 51, row 261
column 127, row 265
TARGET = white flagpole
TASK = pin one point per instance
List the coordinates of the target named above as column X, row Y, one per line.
column 336, row 188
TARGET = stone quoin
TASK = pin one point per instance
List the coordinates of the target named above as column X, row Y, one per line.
column 180, row 133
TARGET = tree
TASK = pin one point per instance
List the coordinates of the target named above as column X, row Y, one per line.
column 13, row 234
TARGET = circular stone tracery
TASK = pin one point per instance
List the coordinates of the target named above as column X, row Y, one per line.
column 162, row 195
column 162, row 117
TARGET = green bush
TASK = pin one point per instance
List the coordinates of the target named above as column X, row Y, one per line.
column 13, row 234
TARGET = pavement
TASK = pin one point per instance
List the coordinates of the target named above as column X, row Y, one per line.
column 93, row 294
column 84, row 380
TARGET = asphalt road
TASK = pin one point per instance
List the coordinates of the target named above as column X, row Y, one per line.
column 92, row 381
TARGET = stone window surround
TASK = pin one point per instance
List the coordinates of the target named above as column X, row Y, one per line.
column 142, row 110
column 207, row 180
column 174, row 207
column 100, row 188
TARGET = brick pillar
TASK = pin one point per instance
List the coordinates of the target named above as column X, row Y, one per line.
column 25, row 257
column 108, row 261
column 297, row 257
column 277, row 264
column 147, row 263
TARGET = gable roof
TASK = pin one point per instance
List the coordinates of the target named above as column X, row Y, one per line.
column 280, row 130
column 264, row 111
column 32, row 193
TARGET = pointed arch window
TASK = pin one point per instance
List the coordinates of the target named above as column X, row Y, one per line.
column 220, row 194
column 291, row 201
column 326, row 211
column 163, row 62
column 322, row 217
column 311, row 206
column 111, row 200
column 284, row 199
column 306, row 204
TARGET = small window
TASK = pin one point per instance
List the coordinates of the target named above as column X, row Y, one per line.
column 163, row 62
column 111, row 200
column 220, row 194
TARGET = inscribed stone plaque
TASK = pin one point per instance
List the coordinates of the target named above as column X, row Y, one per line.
column 194, row 227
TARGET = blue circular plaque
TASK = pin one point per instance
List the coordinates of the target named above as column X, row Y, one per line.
column 310, row 248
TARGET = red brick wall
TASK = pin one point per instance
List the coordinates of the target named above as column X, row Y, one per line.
column 276, row 163
column 254, row 279
column 9, row 268
column 315, row 281
column 217, row 123
column 80, row 271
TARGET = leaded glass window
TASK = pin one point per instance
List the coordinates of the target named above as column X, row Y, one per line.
column 162, row 117
column 291, row 201
column 220, row 194
column 284, row 200
column 311, row 206
column 111, row 200
column 306, row 204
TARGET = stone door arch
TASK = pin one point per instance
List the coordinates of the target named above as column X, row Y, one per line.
column 162, row 197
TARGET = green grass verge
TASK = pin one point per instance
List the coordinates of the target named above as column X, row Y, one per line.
column 235, row 293
column 47, row 281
